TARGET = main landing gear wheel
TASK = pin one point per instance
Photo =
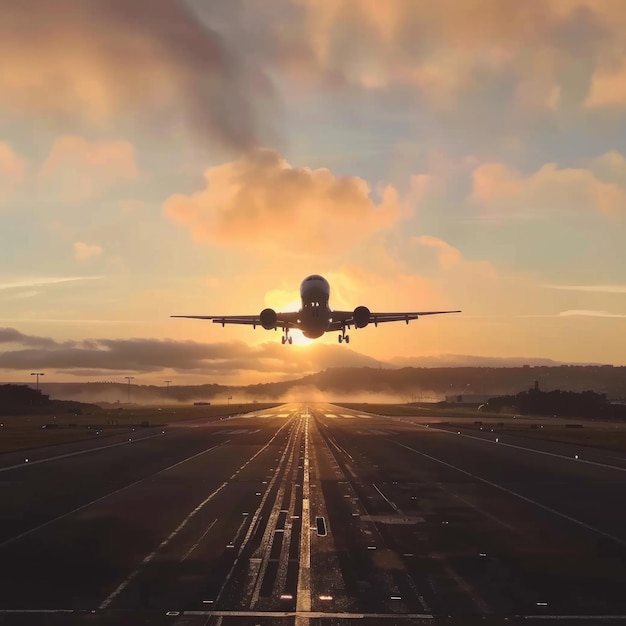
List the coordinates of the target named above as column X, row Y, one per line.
column 343, row 338
column 286, row 338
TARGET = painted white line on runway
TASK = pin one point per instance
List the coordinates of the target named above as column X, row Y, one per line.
column 544, row 452
column 126, row 442
column 108, row 495
column 263, row 552
column 388, row 501
column 195, row 545
column 339, row 448
column 482, row 511
column 257, row 515
column 614, row 538
column 149, row 558
column 307, row 615
column 303, row 601
column 325, row 614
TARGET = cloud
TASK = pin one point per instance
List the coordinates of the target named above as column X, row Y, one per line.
column 608, row 87
column 609, row 167
column 447, row 255
column 101, row 62
column 43, row 281
column 85, row 252
column 589, row 313
column 447, row 49
column 261, row 202
column 12, row 335
column 12, row 170
column 499, row 188
column 379, row 290
column 77, row 169
column 591, row 288
column 143, row 355
column 464, row 360
column 451, row 259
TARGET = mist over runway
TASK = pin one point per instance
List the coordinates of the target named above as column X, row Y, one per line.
column 312, row 514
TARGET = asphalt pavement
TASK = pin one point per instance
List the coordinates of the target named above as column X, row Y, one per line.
column 312, row 514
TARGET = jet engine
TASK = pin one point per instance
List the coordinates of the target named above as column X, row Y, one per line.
column 268, row 319
column 361, row 316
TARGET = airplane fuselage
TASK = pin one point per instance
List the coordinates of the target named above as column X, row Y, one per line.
column 315, row 314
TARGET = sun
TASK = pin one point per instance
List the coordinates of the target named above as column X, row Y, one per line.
column 299, row 339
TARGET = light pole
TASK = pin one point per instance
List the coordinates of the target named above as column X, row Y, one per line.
column 37, row 374
column 129, row 378
column 167, row 384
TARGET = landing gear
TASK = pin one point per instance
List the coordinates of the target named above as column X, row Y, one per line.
column 286, row 338
column 343, row 337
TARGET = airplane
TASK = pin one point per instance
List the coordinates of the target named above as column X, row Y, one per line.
column 315, row 317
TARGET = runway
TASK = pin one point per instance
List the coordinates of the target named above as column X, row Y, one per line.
column 312, row 515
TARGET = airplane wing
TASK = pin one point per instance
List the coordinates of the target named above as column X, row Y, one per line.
column 283, row 320
column 346, row 318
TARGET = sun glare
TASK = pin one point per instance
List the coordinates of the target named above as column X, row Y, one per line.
column 299, row 339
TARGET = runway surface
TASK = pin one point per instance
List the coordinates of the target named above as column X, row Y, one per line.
column 312, row 514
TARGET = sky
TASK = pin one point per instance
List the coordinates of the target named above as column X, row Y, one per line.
column 169, row 157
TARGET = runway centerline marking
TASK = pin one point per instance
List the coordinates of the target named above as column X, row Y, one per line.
column 303, row 601
column 565, row 516
column 104, row 497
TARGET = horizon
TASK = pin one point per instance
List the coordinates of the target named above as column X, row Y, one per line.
column 483, row 169
column 435, row 362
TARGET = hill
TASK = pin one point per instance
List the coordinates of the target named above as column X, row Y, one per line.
column 365, row 384
column 21, row 400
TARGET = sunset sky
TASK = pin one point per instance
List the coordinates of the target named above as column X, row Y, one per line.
column 163, row 157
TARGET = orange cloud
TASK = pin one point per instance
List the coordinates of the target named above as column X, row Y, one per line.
column 499, row 187
column 98, row 62
column 12, row 170
column 77, row 169
column 261, row 202
column 608, row 87
column 353, row 285
column 447, row 255
column 450, row 258
column 449, row 47
column 86, row 252
column 609, row 167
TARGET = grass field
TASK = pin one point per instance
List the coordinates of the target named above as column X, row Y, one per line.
column 609, row 435
column 426, row 409
column 27, row 431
